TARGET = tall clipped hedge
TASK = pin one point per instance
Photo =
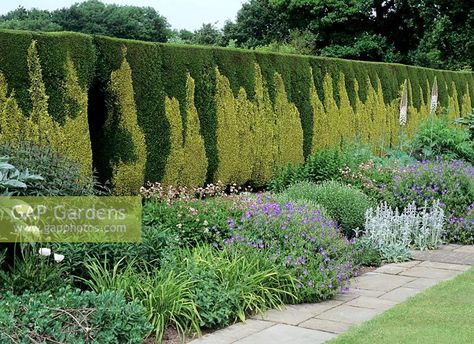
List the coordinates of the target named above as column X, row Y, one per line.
column 209, row 113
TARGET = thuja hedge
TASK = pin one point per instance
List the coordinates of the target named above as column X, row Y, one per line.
column 254, row 111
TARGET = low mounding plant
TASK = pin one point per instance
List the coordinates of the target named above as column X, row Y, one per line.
column 323, row 165
column 71, row 316
column 419, row 228
column 436, row 137
column 300, row 240
column 450, row 182
column 344, row 204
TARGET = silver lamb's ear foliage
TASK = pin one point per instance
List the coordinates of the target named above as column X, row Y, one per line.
column 404, row 105
column 434, row 97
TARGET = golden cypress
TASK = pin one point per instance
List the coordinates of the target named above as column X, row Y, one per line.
column 320, row 125
column 346, row 112
column 175, row 161
column 264, row 131
column 288, row 129
column 246, row 137
column 48, row 132
column 128, row 172
column 466, row 106
column 453, row 103
column 195, row 159
column 332, row 113
column 227, row 131
column 77, row 144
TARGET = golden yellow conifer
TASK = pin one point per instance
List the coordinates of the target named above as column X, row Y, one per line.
column 175, row 161
column 227, row 134
column 128, row 168
column 195, row 159
column 288, row 129
column 264, row 131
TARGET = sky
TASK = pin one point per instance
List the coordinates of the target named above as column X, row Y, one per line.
column 181, row 14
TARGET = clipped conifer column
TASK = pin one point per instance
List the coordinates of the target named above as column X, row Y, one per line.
column 320, row 122
column 227, row 132
column 77, row 143
column 123, row 134
column 195, row 159
column 175, row 161
column 46, row 131
column 264, row 131
column 246, row 137
column 288, row 129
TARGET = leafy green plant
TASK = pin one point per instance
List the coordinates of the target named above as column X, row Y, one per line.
column 345, row 205
column 323, row 165
column 230, row 285
column 436, row 138
column 365, row 255
column 60, row 176
column 71, row 316
column 166, row 296
column 468, row 121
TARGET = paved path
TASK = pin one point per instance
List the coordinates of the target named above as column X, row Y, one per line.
column 369, row 295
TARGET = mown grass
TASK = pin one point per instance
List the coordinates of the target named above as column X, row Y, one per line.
column 442, row 314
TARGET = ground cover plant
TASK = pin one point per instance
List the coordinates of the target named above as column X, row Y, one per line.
column 441, row 314
column 71, row 316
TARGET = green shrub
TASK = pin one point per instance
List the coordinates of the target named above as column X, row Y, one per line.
column 194, row 221
column 323, row 165
column 346, row 205
column 436, row 138
column 71, row 316
column 468, row 121
column 61, row 176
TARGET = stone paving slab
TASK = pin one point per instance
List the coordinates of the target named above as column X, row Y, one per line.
column 421, row 283
column 235, row 332
column 326, row 325
column 400, row 294
column 284, row 334
column 349, row 314
column 369, row 295
column 372, row 303
column 446, row 256
column 444, row 266
column 295, row 314
column 380, row 282
column 439, row 274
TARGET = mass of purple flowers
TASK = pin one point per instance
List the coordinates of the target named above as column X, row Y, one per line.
column 452, row 182
column 299, row 238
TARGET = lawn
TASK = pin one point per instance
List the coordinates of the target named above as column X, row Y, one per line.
column 442, row 314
